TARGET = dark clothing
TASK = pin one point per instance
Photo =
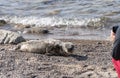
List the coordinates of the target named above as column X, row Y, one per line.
column 116, row 51
column 114, row 28
column 116, row 45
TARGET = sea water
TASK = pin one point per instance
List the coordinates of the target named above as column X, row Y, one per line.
column 82, row 19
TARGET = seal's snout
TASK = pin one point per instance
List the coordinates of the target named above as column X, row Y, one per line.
column 69, row 46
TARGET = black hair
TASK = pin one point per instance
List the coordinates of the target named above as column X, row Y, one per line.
column 114, row 28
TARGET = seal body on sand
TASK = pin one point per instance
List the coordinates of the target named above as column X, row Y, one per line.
column 48, row 46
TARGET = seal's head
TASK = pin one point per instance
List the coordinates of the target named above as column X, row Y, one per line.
column 68, row 47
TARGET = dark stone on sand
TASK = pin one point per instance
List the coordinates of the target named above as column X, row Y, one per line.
column 2, row 22
column 2, row 49
column 67, row 77
column 45, row 31
column 37, row 30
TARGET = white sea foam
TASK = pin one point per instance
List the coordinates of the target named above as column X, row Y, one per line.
column 50, row 21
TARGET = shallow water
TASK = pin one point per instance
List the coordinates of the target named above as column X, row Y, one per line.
column 64, row 33
column 70, row 13
column 73, row 34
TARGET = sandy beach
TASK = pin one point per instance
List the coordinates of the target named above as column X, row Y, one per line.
column 90, row 59
column 85, row 23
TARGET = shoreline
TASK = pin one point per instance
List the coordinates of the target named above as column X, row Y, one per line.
column 91, row 59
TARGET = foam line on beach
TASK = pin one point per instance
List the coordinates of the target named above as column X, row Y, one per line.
column 53, row 21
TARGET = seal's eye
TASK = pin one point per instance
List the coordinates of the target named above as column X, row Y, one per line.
column 71, row 48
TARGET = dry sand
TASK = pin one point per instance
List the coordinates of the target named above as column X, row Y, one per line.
column 91, row 59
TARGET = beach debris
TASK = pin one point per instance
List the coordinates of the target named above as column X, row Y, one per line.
column 47, row 46
column 21, row 26
column 9, row 37
column 55, row 12
column 2, row 22
column 37, row 30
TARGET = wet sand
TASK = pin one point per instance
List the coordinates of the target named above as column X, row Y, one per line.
column 91, row 59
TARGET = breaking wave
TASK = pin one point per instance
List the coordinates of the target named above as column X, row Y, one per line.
column 56, row 21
